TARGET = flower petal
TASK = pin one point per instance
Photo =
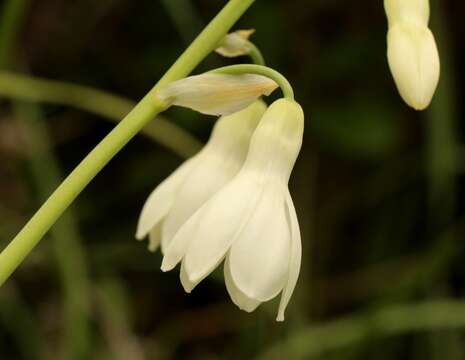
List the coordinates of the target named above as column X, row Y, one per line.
column 161, row 199
column 203, row 182
column 295, row 258
column 259, row 257
column 238, row 297
column 155, row 238
column 206, row 237
column 221, row 159
column 186, row 283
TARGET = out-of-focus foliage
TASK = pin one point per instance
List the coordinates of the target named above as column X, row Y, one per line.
column 378, row 190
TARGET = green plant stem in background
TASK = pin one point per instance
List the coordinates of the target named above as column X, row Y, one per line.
column 11, row 11
column 114, row 307
column 145, row 110
column 66, row 242
column 441, row 130
column 443, row 158
column 16, row 318
column 285, row 86
column 112, row 107
column 184, row 16
column 393, row 320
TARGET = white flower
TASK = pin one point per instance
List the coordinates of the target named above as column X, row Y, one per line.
column 217, row 94
column 412, row 53
column 251, row 222
column 235, row 44
column 195, row 181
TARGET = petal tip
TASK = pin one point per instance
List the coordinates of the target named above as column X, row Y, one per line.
column 140, row 235
column 152, row 248
column 166, row 266
column 187, row 287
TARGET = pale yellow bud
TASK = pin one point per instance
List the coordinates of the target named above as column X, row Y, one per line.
column 414, row 61
column 412, row 52
column 235, row 44
column 217, row 94
column 416, row 11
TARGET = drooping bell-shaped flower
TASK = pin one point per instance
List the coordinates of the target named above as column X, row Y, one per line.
column 412, row 53
column 251, row 222
column 199, row 178
column 217, row 94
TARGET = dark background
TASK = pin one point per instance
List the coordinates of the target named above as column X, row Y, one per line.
column 378, row 189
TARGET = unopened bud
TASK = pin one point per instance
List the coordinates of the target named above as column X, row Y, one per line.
column 412, row 53
column 235, row 44
column 217, row 94
column 412, row 11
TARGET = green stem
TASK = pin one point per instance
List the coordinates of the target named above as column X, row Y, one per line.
column 393, row 320
column 93, row 163
column 255, row 54
column 283, row 83
column 109, row 106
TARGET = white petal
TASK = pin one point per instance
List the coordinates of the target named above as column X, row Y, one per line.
column 414, row 62
column 161, row 199
column 219, row 161
column 295, row 258
column 186, row 283
column 208, row 234
column 259, row 257
column 203, row 182
column 155, row 238
column 189, row 284
column 238, row 297
column 217, row 94
column 277, row 141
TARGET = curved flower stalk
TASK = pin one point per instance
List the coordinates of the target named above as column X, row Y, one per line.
column 196, row 180
column 412, row 53
column 251, row 222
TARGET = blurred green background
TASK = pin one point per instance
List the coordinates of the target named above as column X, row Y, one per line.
column 378, row 188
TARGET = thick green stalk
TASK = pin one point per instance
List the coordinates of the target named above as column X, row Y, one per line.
column 144, row 111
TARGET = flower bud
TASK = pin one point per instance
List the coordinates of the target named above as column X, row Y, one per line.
column 414, row 61
column 217, row 94
column 412, row 53
column 235, row 44
column 412, row 11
